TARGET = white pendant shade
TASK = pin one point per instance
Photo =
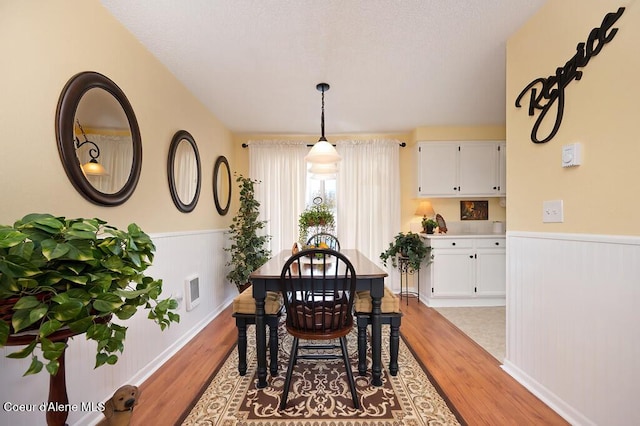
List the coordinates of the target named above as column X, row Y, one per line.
column 322, row 153
column 94, row 169
column 323, row 168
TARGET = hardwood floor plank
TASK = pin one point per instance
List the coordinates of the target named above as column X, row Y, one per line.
column 470, row 378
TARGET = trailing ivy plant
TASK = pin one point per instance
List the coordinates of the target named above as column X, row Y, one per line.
column 248, row 248
column 78, row 276
column 317, row 217
column 407, row 245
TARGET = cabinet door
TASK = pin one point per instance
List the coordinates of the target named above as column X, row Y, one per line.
column 491, row 272
column 453, row 273
column 502, row 169
column 437, row 169
column 478, row 168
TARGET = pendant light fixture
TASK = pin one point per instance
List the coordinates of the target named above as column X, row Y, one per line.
column 92, row 167
column 322, row 151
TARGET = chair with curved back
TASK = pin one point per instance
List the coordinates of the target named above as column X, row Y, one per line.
column 318, row 287
column 324, row 237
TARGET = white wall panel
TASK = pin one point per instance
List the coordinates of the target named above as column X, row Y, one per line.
column 573, row 323
column 178, row 255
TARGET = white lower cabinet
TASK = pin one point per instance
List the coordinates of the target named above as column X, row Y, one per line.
column 465, row 271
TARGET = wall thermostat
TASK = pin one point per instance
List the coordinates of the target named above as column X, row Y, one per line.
column 571, row 155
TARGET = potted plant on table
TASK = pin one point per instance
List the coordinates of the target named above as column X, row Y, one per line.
column 429, row 225
column 249, row 246
column 407, row 245
column 75, row 276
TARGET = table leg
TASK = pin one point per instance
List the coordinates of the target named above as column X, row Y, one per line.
column 376, row 340
column 261, row 342
column 58, row 399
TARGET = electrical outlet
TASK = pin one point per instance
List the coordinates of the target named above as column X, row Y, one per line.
column 552, row 211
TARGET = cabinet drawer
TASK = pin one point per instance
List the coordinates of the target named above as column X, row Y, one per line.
column 451, row 242
column 491, row 242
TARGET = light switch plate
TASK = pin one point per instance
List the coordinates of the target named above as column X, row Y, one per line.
column 552, row 211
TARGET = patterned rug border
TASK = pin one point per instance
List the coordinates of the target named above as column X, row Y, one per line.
column 434, row 382
column 205, row 386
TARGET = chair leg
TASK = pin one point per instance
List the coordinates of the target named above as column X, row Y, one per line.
column 347, row 366
column 273, row 347
column 394, row 343
column 362, row 347
column 287, row 382
column 242, row 346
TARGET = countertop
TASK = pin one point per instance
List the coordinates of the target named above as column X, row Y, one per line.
column 436, row 235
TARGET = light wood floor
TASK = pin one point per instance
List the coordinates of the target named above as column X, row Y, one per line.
column 478, row 390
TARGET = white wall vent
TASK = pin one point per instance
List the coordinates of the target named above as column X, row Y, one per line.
column 192, row 292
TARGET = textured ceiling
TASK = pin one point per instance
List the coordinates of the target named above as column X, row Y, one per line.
column 393, row 65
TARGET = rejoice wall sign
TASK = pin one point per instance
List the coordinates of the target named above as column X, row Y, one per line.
column 545, row 92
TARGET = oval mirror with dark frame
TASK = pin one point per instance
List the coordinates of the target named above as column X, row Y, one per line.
column 222, row 185
column 183, row 171
column 98, row 139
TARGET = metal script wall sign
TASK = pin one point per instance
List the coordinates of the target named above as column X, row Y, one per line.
column 546, row 91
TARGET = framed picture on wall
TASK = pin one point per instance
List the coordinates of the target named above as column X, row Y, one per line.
column 474, row 210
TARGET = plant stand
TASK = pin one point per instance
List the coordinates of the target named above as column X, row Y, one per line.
column 57, row 384
column 405, row 271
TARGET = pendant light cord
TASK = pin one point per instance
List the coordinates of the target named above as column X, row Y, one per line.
column 322, row 138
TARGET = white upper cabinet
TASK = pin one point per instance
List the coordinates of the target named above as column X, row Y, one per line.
column 453, row 169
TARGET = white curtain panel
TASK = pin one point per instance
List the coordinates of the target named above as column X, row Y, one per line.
column 368, row 198
column 282, row 172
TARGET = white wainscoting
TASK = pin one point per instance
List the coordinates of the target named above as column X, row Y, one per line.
column 573, row 323
column 178, row 256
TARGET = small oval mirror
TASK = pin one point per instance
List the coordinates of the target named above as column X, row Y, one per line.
column 222, row 185
column 98, row 139
column 183, row 170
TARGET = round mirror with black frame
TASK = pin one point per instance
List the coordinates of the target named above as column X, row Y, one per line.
column 222, row 185
column 183, row 171
column 99, row 102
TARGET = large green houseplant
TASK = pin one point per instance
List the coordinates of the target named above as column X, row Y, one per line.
column 77, row 275
column 248, row 248
column 316, row 218
column 407, row 245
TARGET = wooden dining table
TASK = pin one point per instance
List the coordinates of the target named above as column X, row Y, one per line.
column 369, row 277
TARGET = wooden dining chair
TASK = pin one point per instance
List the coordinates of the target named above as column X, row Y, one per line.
column 391, row 315
column 330, row 278
column 324, row 237
column 244, row 311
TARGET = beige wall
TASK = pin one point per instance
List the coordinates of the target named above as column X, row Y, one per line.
column 45, row 43
column 601, row 112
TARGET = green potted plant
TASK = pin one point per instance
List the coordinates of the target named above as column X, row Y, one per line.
column 407, row 245
column 77, row 276
column 248, row 248
column 318, row 217
column 428, row 225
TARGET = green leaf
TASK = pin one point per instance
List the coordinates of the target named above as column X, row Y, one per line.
column 81, row 325
column 49, row 327
column 26, row 302
column 107, row 302
column 36, row 367
column 126, row 312
column 24, row 352
column 67, row 311
column 54, row 250
column 52, row 367
column 9, row 237
column 25, row 317
column 101, row 358
column 112, row 359
column 98, row 332
column 17, row 267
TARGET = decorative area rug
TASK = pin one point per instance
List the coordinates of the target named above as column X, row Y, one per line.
column 319, row 394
